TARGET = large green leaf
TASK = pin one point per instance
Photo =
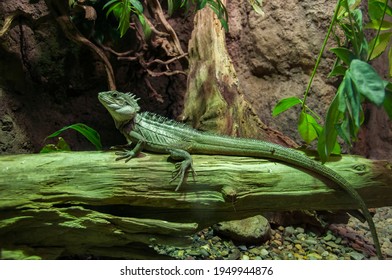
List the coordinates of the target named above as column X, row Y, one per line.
column 379, row 44
column 378, row 24
column 328, row 137
column 306, row 127
column 344, row 54
column 86, row 131
column 285, row 104
column 376, row 9
column 367, row 81
column 137, row 5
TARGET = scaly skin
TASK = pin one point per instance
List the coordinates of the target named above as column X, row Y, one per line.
column 158, row 134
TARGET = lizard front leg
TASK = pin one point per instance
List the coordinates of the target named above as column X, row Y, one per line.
column 183, row 167
column 128, row 154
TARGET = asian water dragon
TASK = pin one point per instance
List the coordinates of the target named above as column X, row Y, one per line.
column 158, row 134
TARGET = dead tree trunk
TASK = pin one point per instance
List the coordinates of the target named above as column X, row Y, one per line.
column 214, row 100
column 60, row 204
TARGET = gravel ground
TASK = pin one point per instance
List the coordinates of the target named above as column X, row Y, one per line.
column 343, row 242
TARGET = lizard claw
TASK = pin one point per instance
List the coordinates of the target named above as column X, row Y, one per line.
column 125, row 154
column 181, row 169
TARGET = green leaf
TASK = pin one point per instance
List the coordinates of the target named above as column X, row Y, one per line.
column 367, row 81
column 221, row 12
column 378, row 24
column 257, row 6
column 146, row 27
column 328, row 137
column 351, row 98
column 61, row 146
column 390, row 62
column 86, row 131
column 201, row 4
column 344, row 54
column 376, row 9
column 338, row 70
column 285, row 104
column 388, row 99
column 336, row 148
column 306, row 127
column 137, row 5
column 110, row 3
column 380, row 43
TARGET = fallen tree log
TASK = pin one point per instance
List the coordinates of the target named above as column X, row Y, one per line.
column 88, row 203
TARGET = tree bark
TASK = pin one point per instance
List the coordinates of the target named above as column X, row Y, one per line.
column 88, row 203
column 214, row 100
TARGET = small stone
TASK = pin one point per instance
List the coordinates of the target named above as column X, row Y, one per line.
column 300, row 230
column 356, row 255
column 289, row 230
column 243, row 247
column 225, row 253
column 263, row 252
column 298, row 256
column 325, row 254
column 180, row 253
column 234, row 255
column 301, row 236
column 332, row 244
column 277, row 242
column 278, row 236
column 314, row 256
column 254, row 251
column 245, row 257
column 204, row 252
column 281, row 228
column 328, row 237
column 298, row 246
column 388, row 251
column 310, row 241
column 251, row 230
column 332, row 257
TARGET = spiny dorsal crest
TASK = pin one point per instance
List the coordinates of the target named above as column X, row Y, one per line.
column 129, row 98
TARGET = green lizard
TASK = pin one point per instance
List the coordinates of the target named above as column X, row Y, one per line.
column 158, row 134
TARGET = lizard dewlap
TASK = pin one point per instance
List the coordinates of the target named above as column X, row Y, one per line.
column 158, row 134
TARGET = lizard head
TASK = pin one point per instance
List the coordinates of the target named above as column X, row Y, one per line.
column 122, row 106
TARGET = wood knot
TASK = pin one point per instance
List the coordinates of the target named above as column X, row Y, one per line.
column 360, row 168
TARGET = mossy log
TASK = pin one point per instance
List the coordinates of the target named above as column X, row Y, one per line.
column 80, row 203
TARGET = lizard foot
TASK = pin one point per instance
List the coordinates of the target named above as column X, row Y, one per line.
column 125, row 154
column 181, row 169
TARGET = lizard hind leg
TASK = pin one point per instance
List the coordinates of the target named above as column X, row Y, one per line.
column 181, row 168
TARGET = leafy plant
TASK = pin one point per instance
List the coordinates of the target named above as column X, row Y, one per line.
column 123, row 9
column 91, row 135
column 360, row 81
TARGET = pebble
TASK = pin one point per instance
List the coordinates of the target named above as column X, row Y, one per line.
column 289, row 230
column 245, row 257
column 328, row 237
column 356, row 255
column 292, row 243
column 314, row 256
column 264, row 252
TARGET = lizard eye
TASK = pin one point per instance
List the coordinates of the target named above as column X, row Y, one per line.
column 114, row 94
